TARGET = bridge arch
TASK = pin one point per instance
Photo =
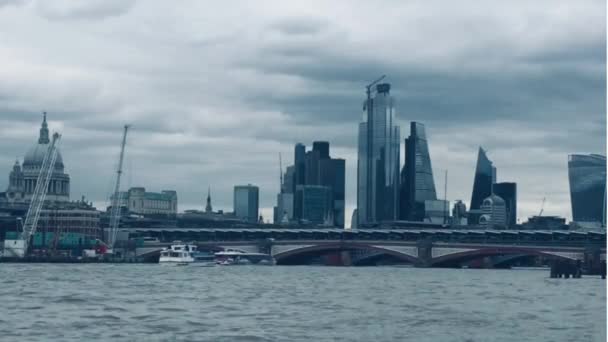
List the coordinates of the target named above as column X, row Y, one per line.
column 475, row 253
column 284, row 257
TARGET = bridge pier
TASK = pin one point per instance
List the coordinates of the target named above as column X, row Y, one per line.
column 425, row 253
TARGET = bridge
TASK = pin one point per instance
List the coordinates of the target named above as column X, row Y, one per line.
column 423, row 248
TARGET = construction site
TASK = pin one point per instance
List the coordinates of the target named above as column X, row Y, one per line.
column 45, row 227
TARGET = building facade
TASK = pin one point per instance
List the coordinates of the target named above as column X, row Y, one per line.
column 417, row 183
column 587, row 176
column 246, row 202
column 493, row 212
column 508, row 192
column 378, row 159
column 314, row 203
column 312, row 168
column 139, row 201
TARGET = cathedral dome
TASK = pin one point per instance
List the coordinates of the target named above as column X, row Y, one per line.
column 35, row 155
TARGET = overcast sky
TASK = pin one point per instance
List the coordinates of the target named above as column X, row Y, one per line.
column 215, row 91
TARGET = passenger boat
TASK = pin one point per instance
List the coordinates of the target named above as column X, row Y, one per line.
column 185, row 254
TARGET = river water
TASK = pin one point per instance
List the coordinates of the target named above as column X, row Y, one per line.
column 104, row 302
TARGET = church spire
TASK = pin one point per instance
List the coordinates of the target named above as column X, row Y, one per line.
column 208, row 207
column 44, row 131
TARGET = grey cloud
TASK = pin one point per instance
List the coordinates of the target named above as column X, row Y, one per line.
column 90, row 9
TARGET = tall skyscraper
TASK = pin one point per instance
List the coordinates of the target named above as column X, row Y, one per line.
column 316, row 169
column 299, row 163
column 508, row 192
column 587, row 176
column 378, row 159
column 485, row 176
column 417, row 183
column 246, row 202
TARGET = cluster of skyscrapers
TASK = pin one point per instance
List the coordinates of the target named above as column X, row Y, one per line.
column 385, row 195
column 312, row 189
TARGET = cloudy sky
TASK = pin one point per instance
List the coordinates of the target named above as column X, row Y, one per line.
column 215, row 92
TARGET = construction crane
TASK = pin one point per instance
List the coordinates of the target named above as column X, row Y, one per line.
column 42, row 186
column 115, row 213
column 542, row 207
column 368, row 87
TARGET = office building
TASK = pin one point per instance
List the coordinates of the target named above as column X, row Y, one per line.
column 436, row 211
column 246, row 202
column 459, row 214
column 493, row 212
column 508, row 192
column 314, row 204
column 485, row 176
column 417, row 184
column 378, row 159
column 312, row 168
column 139, row 201
column 587, row 176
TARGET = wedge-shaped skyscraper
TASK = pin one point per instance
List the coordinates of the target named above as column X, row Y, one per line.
column 485, row 176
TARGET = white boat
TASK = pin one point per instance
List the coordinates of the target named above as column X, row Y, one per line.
column 185, row 254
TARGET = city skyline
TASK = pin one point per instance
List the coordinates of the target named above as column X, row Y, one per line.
column 516, row 96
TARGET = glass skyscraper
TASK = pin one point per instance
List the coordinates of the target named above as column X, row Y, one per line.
column 417, row 183
column 246, row 202
column 378, row 159
column 485, row 176
column 587, row 175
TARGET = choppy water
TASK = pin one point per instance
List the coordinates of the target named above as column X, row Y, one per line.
column 96, row 302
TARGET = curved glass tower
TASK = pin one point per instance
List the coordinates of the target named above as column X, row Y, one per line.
column 587, row 176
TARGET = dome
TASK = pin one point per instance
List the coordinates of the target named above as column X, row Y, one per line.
column 35, row 156
column 493, row 200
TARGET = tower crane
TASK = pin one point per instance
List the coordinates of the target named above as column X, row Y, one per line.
column 115, row 212
column 542, row 207
column 20, row 246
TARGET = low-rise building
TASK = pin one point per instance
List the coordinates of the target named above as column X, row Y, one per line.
column 138, row 201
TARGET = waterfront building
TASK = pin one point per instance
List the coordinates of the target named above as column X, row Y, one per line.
column 378, row 159
column 493, row 212
column 23, row 177
column 141, row 202
column 508, row 192
column 314, row 203
column 587, row 176
column 417, row 184
column 246, row 202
